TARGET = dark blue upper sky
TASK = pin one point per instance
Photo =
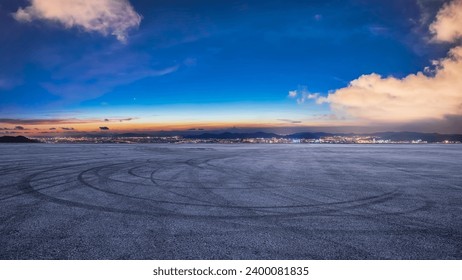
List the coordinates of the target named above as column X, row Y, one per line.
column 209, row 57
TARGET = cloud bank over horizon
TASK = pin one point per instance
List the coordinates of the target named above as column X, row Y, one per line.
column 107, row 17
column 434, row 94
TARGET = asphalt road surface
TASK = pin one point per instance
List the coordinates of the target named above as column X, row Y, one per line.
column 230, row 201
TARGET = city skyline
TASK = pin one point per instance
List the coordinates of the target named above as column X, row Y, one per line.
column 282, row 66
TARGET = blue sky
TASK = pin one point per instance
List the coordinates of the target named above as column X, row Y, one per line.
column 200, row 62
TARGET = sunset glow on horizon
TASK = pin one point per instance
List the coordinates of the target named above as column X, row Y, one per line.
column 75, row 66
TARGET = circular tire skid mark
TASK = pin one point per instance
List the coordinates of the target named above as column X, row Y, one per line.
column 203, row 187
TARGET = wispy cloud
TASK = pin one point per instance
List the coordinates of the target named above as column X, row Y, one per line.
column 47, row 121
column 104, row 128
column 107, row 17
column 119, row 119
column 6, row 83
column 99, row 72
column 56, row 122
column 289, row 121
column 434, row 94
column 378, row 30
column 302, row 94
column 325, row 117
column 9, row 132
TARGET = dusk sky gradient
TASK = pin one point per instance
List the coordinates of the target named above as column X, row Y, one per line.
column 73, row 66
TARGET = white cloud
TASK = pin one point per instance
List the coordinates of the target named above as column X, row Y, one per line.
column 433, row 95
column 114, row 17
column 302, row 95
column 293, row 93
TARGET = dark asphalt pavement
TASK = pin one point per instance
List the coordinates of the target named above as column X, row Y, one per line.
column 230, row 201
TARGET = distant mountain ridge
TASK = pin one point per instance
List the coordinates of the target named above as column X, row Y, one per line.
column 389, row 135
column 231, row 135
column 407, row 136
column 394, row 136
column 17, row 139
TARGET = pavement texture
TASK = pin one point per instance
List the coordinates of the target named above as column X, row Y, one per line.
column 230, row 201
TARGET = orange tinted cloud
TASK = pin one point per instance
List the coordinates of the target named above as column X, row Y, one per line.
column 102, row 16
column 432, row 95
column 448, row 24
